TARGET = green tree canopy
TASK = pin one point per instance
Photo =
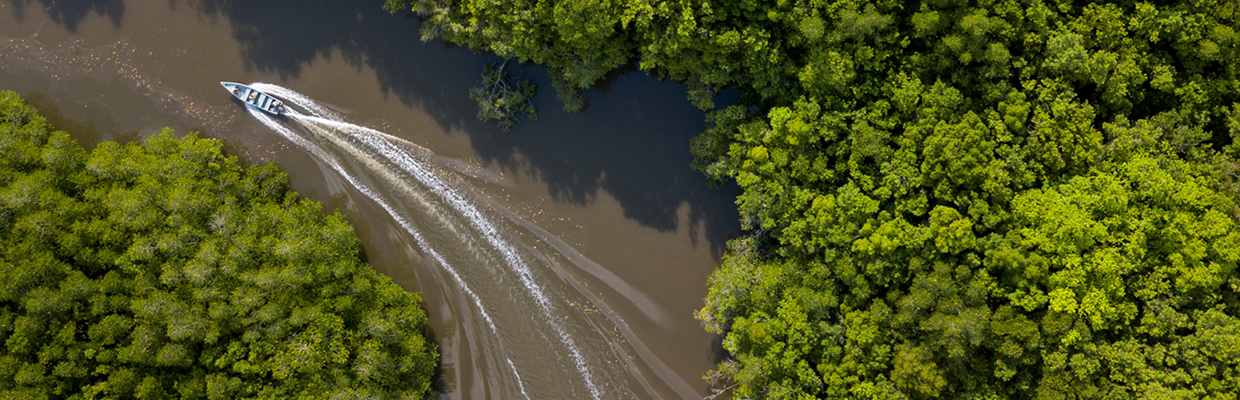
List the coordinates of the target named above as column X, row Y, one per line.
column 166, row 270
column 1053, row 224
column 963, row 199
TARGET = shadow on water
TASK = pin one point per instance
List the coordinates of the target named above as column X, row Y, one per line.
column 632, row 143
column 82, row 131
column 71, row 12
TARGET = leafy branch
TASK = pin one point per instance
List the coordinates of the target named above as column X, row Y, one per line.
column 500, row 101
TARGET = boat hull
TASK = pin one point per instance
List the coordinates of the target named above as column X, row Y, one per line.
column 255, row 98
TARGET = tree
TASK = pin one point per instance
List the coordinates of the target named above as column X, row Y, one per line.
column 579, row 42
column 994, row 222
column 164, row 269
column 947, row 199
column 501, row 102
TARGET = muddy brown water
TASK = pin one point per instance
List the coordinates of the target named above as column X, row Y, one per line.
column 613, row 229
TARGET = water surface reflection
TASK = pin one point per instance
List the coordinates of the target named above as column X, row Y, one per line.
column 71, row 12
column 613, row 182
column 633, row 143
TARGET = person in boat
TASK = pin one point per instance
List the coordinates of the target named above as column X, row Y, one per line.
column 253, row 96
column 275, row 105
column 235, row 91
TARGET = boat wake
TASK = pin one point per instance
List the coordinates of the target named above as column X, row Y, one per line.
column 527, row 322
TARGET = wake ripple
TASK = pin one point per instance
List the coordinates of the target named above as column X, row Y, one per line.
column 373, row 143
column 381, row 143
column 417, row 236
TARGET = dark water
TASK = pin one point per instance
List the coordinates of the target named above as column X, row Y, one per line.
column 616, row 231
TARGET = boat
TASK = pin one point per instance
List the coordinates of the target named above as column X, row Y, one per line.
column 253, row 97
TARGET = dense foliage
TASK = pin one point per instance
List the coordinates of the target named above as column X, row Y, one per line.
column 503, row 102
column 948, row 198
column 166, row 270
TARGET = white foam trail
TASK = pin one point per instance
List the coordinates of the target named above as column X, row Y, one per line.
column 318, row 110
column 380, row 142
column 421, row 241
column 641, row 300
column 376, row 166
column 514, row 372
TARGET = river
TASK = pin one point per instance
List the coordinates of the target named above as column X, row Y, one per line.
column 562, row 259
